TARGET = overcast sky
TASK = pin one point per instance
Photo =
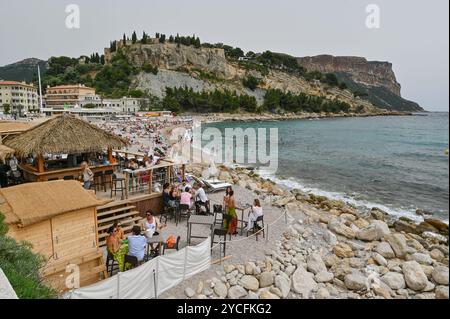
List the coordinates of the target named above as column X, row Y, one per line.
column 413, row 34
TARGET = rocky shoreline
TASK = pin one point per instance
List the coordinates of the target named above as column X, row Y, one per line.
column 335, row 251
column 268, row 117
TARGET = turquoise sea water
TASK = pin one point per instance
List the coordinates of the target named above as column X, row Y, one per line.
column 396, row 163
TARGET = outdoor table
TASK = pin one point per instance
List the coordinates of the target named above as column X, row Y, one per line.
column 199, row 220
column 158, row 239
column 242, row 221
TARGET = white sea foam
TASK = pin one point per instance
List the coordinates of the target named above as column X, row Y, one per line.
column 291, row 183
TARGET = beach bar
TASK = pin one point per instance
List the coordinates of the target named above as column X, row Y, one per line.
column 59, row 219
column 54, row 150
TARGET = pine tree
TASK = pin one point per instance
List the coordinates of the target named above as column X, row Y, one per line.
column 171, row 39
column 144, row 38
column 157, row 35
column 162, row 39
column 124, row 39
column 198, row 44
column 134, row 37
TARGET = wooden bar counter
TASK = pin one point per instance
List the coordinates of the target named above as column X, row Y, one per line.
column 31, row 174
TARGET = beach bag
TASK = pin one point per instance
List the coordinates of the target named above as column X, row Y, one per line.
column 171, row 242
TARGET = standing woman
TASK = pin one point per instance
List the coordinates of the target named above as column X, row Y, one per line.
column 231, row 219
column 88, row 176
column 227, row 197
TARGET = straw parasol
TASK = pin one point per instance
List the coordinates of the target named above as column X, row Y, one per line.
column 64, row 134
column 5, row 152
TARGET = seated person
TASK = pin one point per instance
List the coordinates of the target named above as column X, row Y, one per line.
column 120, row 233
column 147, row 162
column 116, row 248
column 173, row 197
column 200, row 197
column 166, row 195
column 137, row 244
column 185, row 198
column 255, row 212
column 152, row 225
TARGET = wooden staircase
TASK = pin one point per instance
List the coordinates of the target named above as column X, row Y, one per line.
column 122, row 212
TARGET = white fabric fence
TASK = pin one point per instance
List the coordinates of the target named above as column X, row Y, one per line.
column 165, row 271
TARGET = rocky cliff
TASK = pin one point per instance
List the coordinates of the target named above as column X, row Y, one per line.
column 374, row 80
column 209, row 69
column 371, row 73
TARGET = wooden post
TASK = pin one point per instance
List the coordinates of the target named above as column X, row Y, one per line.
column 40, row 164
column 127, row 182
column 183, row 172
column 150, row 181
column 110, row 156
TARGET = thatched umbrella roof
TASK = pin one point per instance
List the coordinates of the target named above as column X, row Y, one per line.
column 64, row 134
column 5, row 152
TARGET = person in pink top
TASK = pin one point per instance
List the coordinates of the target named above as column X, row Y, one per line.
column 186, row 197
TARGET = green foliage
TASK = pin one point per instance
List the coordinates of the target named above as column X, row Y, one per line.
column 249, row 65
column 89, row 106
column 150, row 68
column 280, row 61
column 188, row 41
column 58, row 65
column 21, row 267
column 144, row 39
column 152, row 103
column 113, row 47
column 360, row 109
column 64, row 70
column 136, row 94
column 343, row 86
column 277, row 100
column 331, row 79
column 186, row 100
column 313, row 75
column 6, row 109
column 233, row 53
column 134, row 37
column 361, row 94
column 114, row 79
column 251, row 82
column 206, row 75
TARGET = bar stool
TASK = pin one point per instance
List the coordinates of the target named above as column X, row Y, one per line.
column 257, row 228
column 115, row 188
column 108, row 178
column 221, row 233
column 98, row 181
column 111, row 264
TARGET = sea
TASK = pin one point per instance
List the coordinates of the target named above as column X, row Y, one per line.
column 396, row 163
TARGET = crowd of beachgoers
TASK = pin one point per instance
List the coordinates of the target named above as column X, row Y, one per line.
column 328, row 248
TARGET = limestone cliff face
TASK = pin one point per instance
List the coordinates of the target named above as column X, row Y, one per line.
column 182, row 66
column 169, row 56
column 370, row 73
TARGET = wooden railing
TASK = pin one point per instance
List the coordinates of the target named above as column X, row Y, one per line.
column 145, row 179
